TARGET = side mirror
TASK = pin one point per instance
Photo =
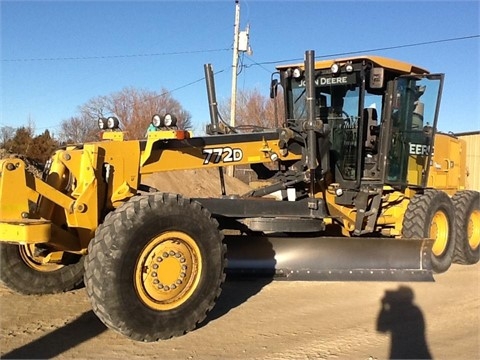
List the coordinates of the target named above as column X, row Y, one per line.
column 273, row 88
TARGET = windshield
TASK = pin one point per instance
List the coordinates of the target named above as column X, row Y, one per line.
column 337, row 104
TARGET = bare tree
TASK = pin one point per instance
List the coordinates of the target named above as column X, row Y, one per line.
column 254, row 110
column 6, row 133
column 133, row 107
column 78, row 129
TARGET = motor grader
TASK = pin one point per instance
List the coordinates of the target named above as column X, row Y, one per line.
column 357, row 185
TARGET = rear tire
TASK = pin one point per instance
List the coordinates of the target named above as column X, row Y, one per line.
column 431, row 215
column 25, row 274
column 155, row 267
column 467, row 224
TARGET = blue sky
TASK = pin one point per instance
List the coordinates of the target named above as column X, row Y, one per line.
column 56, row 55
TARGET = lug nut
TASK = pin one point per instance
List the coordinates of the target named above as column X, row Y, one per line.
column 154, row 274
column 155, row 266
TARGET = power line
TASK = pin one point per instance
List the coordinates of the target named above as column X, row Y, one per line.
column 117, row 56
column 373, row 49
column 254, row 62
column 98, row 57
column 181, row 87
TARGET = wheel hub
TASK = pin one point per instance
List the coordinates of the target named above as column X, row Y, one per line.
column 27, row 253
column 168, row 270
column 439, row 231
column 473, row 230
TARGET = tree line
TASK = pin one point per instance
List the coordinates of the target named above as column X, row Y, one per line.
column 134, row 108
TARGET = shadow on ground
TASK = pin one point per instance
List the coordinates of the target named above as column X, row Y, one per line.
column 405, row 322
column 85, row 327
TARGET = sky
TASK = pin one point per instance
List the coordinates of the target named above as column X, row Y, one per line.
column 57, row 55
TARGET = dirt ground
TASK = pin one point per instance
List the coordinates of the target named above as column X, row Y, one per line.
column 261, row 320
column 265, row 319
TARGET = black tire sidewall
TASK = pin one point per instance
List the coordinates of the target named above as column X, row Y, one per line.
column 425, row 206
column 464, row 252
column 126, row 312
column 21, row 278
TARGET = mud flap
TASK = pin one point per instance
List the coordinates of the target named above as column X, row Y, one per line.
column 330, row 258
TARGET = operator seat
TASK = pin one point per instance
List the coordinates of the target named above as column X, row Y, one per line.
column 371, row 129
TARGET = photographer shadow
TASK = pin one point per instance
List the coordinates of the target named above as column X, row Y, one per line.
column 405, row 322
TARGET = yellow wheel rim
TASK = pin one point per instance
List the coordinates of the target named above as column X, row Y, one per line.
column 439, row 231
column 27, row 253
column 473, row 229
column 168, row 270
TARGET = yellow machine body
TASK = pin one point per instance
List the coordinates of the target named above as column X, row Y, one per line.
column 359, row 186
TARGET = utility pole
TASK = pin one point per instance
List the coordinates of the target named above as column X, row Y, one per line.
column 233, row 100
column 240, row 44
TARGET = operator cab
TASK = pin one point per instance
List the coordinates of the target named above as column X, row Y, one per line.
column 377, row 114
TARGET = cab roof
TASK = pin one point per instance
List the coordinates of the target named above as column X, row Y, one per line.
column 387, row 63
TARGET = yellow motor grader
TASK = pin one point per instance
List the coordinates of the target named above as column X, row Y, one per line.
column 358, row 185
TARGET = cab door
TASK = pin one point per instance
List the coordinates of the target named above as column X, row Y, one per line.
column 412, row 114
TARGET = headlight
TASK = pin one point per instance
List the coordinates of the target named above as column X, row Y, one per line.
column 297, row 73
column 102, row 123
column 170, row 120
column 112, row 122
column 335, row 68
column 156, row 120
column 349, row 68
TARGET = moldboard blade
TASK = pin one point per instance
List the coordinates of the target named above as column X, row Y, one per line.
column 330, row 258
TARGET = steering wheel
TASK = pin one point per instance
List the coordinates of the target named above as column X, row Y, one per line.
column 346, row 118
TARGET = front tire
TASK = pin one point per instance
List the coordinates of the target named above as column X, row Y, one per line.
column 467, row 224
column 155, row 267
column 23, row 272
column 431, row 215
